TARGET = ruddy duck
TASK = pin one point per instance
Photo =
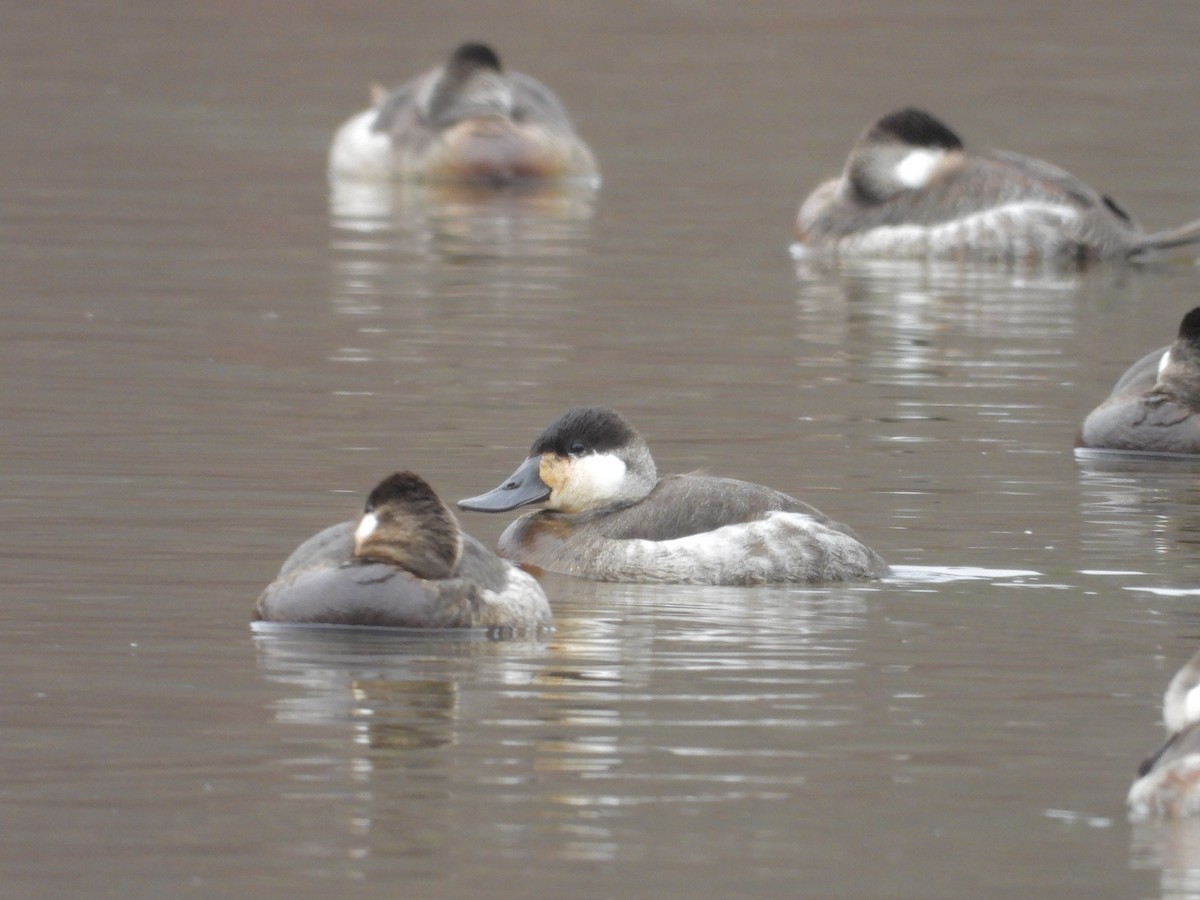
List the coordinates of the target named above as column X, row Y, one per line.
column 1155, row 405
column 1168, row 783
column 611, row 518
column 404, row 564
column 466, row 121
column 911, row 190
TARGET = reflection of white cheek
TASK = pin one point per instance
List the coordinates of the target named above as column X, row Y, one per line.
column 365, row 527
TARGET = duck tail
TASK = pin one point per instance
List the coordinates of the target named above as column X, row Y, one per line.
column 1180, row 236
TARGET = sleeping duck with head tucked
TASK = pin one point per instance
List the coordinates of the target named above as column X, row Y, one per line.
column 405, row 564
column 469, row 120
column 611, row 518
column 1168, row 782
column 910, row 189
column 1155, row 406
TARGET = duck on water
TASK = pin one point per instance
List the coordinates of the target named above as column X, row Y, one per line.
column 404, row 563
column 1155, row 405
column 610, row 517
column 469, row 120
column 1168, row 782
column 911, row 189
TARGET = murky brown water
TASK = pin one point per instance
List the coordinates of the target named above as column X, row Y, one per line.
column 206, row 358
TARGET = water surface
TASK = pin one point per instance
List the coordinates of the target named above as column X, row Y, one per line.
column 208, row 355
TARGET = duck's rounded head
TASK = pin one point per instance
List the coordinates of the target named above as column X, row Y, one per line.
column 903, row 151
column 470, row 84
column 590, row 458
column 405, row 523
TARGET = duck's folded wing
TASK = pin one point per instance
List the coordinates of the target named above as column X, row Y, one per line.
column 683, row 505
column 1154, row 423
column 370, row 594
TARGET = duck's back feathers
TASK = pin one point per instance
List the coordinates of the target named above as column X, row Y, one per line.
column 1141, row 376
column 329, row 547
column 684, row 505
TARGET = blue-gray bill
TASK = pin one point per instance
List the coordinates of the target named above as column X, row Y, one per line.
column 521, row 488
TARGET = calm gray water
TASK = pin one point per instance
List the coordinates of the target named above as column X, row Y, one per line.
column 207, row 357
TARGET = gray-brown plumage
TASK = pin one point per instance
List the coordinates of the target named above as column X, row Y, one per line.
column 404, row 563
column 1155, row 405
column 911, row 190
column 611, row 518
column 468, row 120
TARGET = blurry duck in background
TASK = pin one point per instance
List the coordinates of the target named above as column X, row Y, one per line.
column 468, row 120
column 1168, row 783
column 1155, row 405
column 403, row 564
column 911, row 190
column 611, row 518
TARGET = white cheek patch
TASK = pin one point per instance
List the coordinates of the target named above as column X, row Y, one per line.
column 917, row 168
column 1163, row 363
column 592, row 481
column 366, row 528
column 1191, row 706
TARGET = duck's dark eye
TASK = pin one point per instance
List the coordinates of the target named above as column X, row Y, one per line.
column 576, row 448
